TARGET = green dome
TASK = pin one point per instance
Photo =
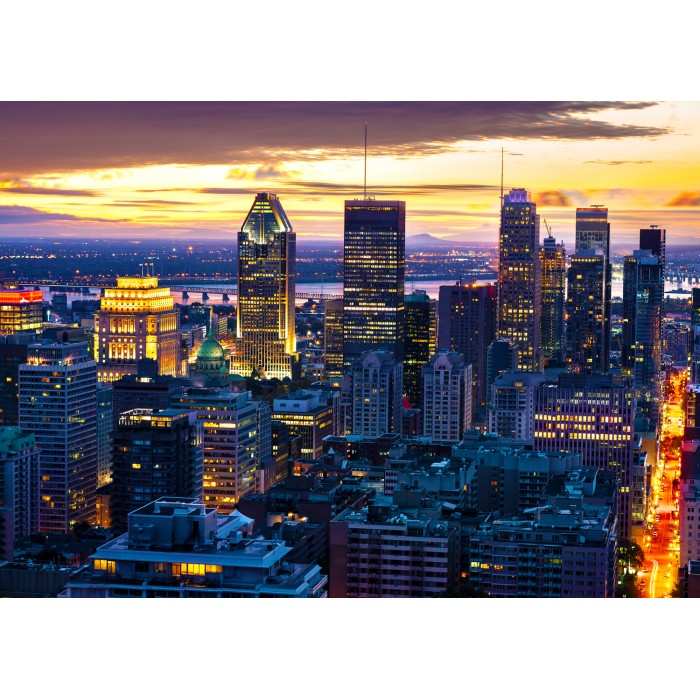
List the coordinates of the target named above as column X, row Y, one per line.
column 210, row 350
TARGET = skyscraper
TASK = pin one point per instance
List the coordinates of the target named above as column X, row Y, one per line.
column 20, row 310
column 265, row 331
column 420, row 338
column 58, row 403
column 333, row 338
column 373, row 278
column 553, row 264
column 653, row 239
column 519, row 280
column 643, row 296
column 137, row 320
column 447, row 402
column 593, row 233
column 467, row 325
column 586, row 339
column 695, row 337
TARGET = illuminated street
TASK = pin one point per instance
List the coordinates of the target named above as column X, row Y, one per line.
column 661, row 539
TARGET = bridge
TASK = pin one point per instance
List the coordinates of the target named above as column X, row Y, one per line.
column 232, row 292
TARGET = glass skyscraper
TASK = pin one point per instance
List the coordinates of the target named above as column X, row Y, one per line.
column 373, row 278
column 420, row 339
column 265, row 331
column 519, row 278
column 553, row 264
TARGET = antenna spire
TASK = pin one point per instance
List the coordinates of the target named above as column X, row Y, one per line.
column 501, row 176
column 365, row 191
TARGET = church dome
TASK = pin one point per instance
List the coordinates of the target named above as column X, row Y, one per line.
column 210, row 350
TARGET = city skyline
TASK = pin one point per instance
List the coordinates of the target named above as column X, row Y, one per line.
column 188, row 169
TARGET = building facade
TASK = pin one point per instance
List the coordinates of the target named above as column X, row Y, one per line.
column 308, row 415
column 512, row 408
column 553, row 265
column 333, row 338
column 137, row 320
column 373, row 278
column 20, row 310
column 265, row 331
column 58, row 404
column 447, row 396
column 420, row 337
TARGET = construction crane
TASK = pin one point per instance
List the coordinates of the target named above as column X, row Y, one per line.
column 548, row 227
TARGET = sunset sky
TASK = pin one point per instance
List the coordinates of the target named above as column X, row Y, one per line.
column 190, row 170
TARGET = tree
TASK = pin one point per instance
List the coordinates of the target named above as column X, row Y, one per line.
column 628, row 588
column 629, row 556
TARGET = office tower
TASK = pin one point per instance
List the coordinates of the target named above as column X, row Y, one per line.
column 231, row 455
column 180, row 548
column 420, row 336
column 377, row 382
column 467, row 325
column 567, row 548
column 373, row 278
column 653, row 239
column 145, row 389
column 423, row 547
column 58, row 403
column 19, row 479
column 553, row 265
column 280, row 449
column 594, row 415
column 694, row 356
column 59, row 305
column 593, row 233
column 689, row 503
column 265, row 330
column 333, row 338
column 308, row 415
column 519, row 280
column 13, row 353
column 447, row 396
column 20, row 310
column 643, row 296
column 586, row 332
column 137, row 320
column 105, row 421
column 593, row 229
column 512, row 405
column 676, row 342
column 156, row 453
column 501, row 356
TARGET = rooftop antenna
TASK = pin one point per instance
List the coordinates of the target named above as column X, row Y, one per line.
column 365, row 195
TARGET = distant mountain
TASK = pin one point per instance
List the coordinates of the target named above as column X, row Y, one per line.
column 425, row 240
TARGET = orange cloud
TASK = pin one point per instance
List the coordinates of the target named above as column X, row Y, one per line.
column 685, row 199
column 552, row 198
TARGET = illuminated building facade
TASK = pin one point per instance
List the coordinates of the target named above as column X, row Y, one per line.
column 179, row 548
column 58, row 403
column 308, row 415
column 694, row 356
column 553, row 264
column 20, row 310
column 373, row 278
column 643, row 297
column 156, row 453
column 420, row 342
column 377, row 389
column 19, row 479
column 519, row 279
column 105, row 420
column 265, row 331
column 229, row 443
column 593, row 415
column 333, row 338
column 512, row 405
column 447, row 396
column 137, row 320
column 587, row 347
column 467, row 325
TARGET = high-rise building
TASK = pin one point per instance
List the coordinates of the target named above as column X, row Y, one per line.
column 137, row 320
column 447, row 400
column 553, row 264
column 156, row 453
column 593, row 229
column 58, row 403
column 643, row 297
column 265, row 330
column 586, row 331
column 519, row 279
column 377, row 388
column 694, row 353
column 333, row 338
column 420, row 338
column 13, row 353
column 594, row 415
column 676, row 341
column 501, row 356
column 229, row 443
column 689, row 502
column 373, row 278
column 19, row 479
column 653, row 239
column 20, row 310
column 105, row 421
column 179, row 548
column 467, row 325
column 512, row 405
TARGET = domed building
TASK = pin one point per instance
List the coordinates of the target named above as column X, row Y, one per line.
column 211, row 367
